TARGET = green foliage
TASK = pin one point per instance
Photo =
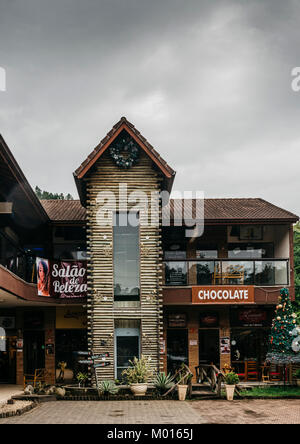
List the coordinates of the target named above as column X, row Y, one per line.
column 231, row 378
column 297, row 268
column 47, row 195
column 139, row 372
column 284, row 322
column 82, row 377
column 108, row 388
column 271, row 392
column 296, row 374
column 163, row 382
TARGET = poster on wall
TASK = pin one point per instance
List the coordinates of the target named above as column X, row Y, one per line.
column 61, row 279
column 224, row 345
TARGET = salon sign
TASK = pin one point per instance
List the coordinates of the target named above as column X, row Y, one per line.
column 241, row 294
column 61, row 279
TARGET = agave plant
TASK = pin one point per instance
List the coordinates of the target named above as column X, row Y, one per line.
column 108, row 388
column 163, row 382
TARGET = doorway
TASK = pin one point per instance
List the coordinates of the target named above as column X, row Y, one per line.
column 34, row 351
column 8, row 362
column 127, row 347
column 177, row 349
column 209, row 347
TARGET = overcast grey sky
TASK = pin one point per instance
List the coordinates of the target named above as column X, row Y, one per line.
column 208, row 83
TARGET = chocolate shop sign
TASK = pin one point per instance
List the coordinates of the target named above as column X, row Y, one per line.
column 223, row 295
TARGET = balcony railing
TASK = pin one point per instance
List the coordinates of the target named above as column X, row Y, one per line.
column 261, row 272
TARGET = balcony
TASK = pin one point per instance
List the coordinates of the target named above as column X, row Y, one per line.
column 261, row 272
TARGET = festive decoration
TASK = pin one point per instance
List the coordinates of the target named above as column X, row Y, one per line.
column 124, row 151
column 284, row 347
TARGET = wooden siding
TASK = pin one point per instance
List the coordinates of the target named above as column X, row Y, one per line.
column 102, row 310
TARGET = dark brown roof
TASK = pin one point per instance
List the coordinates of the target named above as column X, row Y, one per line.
column 64, row 210
column 122, row 124
column 237, row 209
column 215, row 210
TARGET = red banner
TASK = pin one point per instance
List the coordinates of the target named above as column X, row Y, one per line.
column 61, row 279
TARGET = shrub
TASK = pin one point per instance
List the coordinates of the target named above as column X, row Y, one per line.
column 231, row 378
column 163, row 382
column 82, row 378
column 296, row 374
column 139, row 372
column 108, row 388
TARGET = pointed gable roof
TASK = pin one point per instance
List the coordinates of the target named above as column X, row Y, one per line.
column 123, row 124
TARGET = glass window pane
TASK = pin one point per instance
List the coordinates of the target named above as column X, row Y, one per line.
column 271, row 273
column 126, row 258
column 176, row 273
column 238, row 272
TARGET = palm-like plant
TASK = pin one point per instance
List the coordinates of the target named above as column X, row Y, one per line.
column 108, row 388
column 163, row 382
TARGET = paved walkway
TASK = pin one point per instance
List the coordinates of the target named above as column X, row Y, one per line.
column 109, row 412
column 162, row 412
column 9, row 390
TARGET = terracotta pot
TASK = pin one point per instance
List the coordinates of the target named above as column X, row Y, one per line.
column 182, row 389
column 138, row 389
column 229, row 391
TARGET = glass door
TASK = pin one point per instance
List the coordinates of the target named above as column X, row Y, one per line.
column 127, row 346
column 209, row 346
column 177, row 349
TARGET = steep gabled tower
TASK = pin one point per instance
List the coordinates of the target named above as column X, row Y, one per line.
column 124, row 263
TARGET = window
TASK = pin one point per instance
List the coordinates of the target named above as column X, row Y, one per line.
column 250, row 251
column 126, row 257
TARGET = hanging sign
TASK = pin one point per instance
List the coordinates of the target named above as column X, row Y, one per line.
column 222, row 294
column 61, row 279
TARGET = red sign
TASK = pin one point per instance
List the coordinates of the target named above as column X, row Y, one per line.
column 61, row 279
column 241, row 294
column 252, row 316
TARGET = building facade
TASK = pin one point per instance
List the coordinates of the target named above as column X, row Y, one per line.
column 156, row 285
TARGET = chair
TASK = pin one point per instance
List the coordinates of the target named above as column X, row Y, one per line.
column 251, row 371
column 234, row 272
column 275, row 373
column 40, row 375
column 265, row 373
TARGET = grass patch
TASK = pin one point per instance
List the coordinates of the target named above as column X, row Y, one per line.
column 271, row 392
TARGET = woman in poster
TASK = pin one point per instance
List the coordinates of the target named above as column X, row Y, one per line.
column 43, row 278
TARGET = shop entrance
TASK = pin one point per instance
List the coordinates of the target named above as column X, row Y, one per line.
column 209, row 347
column 127, row 346
column 34, row 351
column 177, row 349
column 8, row 362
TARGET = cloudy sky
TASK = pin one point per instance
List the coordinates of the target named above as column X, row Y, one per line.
column 208, row 83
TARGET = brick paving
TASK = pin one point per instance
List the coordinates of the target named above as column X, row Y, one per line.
column 163, row 412
column 252, row 411
column 109, row 412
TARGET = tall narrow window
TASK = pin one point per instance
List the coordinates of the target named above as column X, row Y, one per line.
column 126, row 257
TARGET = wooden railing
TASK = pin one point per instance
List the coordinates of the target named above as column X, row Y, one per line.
column 210, row 375
column 184, row 375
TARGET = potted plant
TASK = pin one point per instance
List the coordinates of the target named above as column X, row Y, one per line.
column 163, row 382
column 106, row 388
column 231, row 380
column 297, row 376
column 82, row 378
column 138, row 374
column 183, row 378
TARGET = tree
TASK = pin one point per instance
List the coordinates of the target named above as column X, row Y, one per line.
column 284, row 336
column 297, row 268
column 56, row 196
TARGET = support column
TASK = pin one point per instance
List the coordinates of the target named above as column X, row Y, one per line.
column 50, row 321
column 19, row 352
column 224, row 332
column 193, row 341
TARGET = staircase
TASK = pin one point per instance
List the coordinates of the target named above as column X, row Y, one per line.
column 203, row 391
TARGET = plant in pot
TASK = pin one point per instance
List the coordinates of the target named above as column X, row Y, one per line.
column 296, row 375
column 183, row 378
column 231, row 380
column 138, row 374
column 163, row 382
column 106, row 388
column 82, row 378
